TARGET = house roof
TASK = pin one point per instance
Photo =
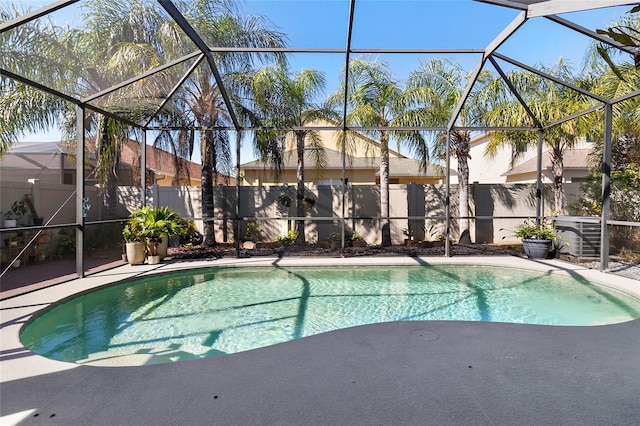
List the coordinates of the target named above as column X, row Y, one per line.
column 574, row 159
column 397, row 166
column 33, row 156
column 158, row 160
column 411, row 167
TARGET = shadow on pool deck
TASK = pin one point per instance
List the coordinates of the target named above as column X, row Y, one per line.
column 33, row 277
column 403, row 373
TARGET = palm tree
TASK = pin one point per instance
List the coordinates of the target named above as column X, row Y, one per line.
column 123, row 39
column 625, row 32
column 25, row 50
column 286, row 101
column 375, row 99
column 200, row 102
column 437, row 86
column 549, row 102
column 115, row 42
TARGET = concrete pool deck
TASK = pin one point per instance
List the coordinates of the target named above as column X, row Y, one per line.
column 401, row 373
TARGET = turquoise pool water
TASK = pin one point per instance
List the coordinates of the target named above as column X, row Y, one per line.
column 201, row 313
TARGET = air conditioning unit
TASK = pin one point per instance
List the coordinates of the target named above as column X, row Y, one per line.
column 579, row 235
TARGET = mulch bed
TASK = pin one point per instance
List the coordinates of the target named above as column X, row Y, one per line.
column 229, row 250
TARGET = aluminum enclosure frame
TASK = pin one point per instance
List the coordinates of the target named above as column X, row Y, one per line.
column 530, row 9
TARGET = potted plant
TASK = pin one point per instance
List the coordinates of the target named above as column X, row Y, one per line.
column 132, row 233
column 537, row 237
column 153, row 241
column 14, row 214
column 157, row 225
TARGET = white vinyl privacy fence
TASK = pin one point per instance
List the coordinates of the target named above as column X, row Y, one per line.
column 414, row 208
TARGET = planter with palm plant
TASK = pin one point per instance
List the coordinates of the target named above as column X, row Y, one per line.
column 158, row 224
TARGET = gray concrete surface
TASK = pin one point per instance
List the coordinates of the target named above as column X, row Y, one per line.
column 404, row 373
column 411, row 373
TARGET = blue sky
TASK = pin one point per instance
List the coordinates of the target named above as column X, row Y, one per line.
column 418, row 24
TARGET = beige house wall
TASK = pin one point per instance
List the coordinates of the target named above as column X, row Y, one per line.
column 330, row 177
column 361, row 146
column 484, row 169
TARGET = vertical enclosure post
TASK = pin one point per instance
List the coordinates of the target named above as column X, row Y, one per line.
column 143, row 169
column 344, row 192
column 237, row 220
column 447, row 202
column 606, row 188
column 80, row 191
column 539, row 179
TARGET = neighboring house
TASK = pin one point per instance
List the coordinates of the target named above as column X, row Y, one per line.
column 52, row 162
column 161, row 167
column 361, row 167
column 499, row 169
column 48, row 162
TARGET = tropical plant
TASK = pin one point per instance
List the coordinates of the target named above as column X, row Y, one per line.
column 151, row 224
column 159, row 220
column 254, row 231
column 132, row 232
column 27, row 50
column 190, row 235
column 356, row 236
column 437, row 88
column 286, row 103
column 289, row 238
column 16, row 211
column 627, row 33
column 546, row 102
column 432, row 233
column 375, row 99
column 532, row 229
column 114, row 40
column 200, row 101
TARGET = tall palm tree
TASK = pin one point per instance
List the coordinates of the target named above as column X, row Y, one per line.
column 437, row 87
column 549, row 102
column 115, row 43
column 200, row 102
column 27, row 50
column 286, row 102
column 122, row 39
column 376, row 99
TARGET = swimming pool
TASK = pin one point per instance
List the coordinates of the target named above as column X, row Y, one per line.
column 216, row 311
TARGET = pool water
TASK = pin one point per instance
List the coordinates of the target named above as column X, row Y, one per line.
column 201, row 313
